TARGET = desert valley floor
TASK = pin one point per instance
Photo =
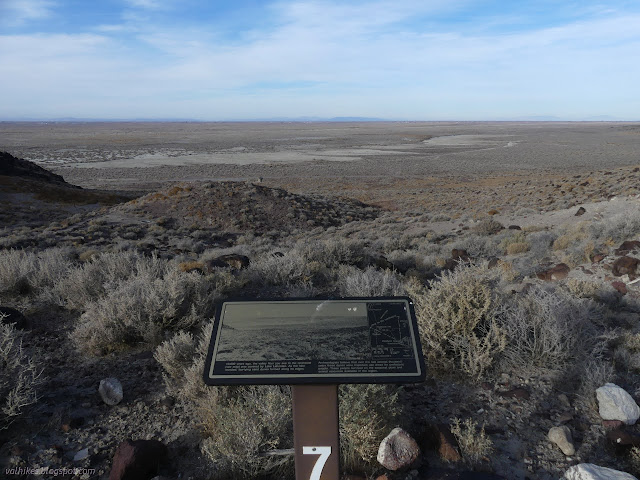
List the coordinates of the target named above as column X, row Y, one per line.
column 537, row 222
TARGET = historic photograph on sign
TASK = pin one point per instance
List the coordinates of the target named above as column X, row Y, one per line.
column 281, row 331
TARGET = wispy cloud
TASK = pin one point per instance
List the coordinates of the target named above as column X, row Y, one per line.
column 18, row 12
column 391, row 59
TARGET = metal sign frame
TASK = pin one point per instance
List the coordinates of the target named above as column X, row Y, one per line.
column 418, row 375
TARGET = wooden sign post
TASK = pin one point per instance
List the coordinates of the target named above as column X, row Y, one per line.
column 315, row 344
column 316, row 432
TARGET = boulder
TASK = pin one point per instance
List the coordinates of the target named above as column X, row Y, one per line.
column 627, row 247
column 620, row 438
column 232, row 260
column 615, row 403
column 110, row 390
column 589, row 471
column 625, row 266
column 559, row 272
column 138, row 460
column 398, row 450
column 11, row 315
column 561, row 436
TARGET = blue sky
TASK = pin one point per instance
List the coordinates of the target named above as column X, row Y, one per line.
column 249, row 59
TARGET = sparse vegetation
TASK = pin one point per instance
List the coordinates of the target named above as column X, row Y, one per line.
column 474, row 443
column 19, row 376
column 459, row 321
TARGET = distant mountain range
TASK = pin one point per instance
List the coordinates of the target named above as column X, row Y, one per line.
column 530, row 118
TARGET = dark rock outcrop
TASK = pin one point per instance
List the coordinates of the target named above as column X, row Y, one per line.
column 17, row 167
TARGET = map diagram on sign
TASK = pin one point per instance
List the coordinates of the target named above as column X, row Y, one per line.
column 389, row 330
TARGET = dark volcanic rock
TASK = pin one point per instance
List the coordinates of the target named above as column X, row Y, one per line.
column 558, row 272
column 627, row 247
column 17, row 167
column 625, row 266
column 138, row 459
column 581, row 211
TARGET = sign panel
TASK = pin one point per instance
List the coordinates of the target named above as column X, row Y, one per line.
column 298, row 341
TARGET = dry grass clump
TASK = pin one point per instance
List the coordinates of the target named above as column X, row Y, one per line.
column 474, row 443
column 548, row 329
column 459, row 322
column 242, row 424
column 354, row 282
column 288, row 269
column 140, row 308
column 583, row 288
column 488, row 226
column 19, row 375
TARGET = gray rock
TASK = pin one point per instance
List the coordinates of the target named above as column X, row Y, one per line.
column 81, row 455
column 398, row 450
column 561, row 436
column 616, row 404
column 110, row 390
column 589, row 471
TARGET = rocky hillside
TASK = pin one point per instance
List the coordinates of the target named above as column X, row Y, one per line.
column 17, row 167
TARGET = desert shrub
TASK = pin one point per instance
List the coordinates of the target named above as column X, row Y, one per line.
column 241, row 424
column 354, row 282
column 583, row 288
column 367, row 414
column 290, row 269
column 488, row 226
column 33, row 273
column 19, row 375
column 620, row 227
column 141, row 308
column 331, row 253
column 596, row 372
column 474, row 443
column 478, row 246
column 93, row 280
column 458, row 320
column 244, row 424
column 548, row 329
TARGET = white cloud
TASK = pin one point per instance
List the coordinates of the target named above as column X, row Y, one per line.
column 359, row 60
column 18, row 12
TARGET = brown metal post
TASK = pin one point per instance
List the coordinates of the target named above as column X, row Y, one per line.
column 316, row 435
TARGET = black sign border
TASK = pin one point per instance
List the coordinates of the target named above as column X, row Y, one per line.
column 417, row 378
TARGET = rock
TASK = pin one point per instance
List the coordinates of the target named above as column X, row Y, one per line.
column 110, row 390
column 459, row 254
column 11, row 315
column 620, row 287
column 559, row 272
column 624, row 266
column 598, row 257
column 581, row 211
column 467, row 475
column 616, row 404
column 612, row 424
column 398, row 450
column 493, row 262
column 138, row 459
column 561, row 436
column 589, row 471
column 440, row 439
column 627, row 247
column 232, row 260
column 514, row 227
column 621, row 438
column 81, row 455
column 516, row 393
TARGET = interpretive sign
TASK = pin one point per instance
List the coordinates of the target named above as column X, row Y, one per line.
column 315, row 341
